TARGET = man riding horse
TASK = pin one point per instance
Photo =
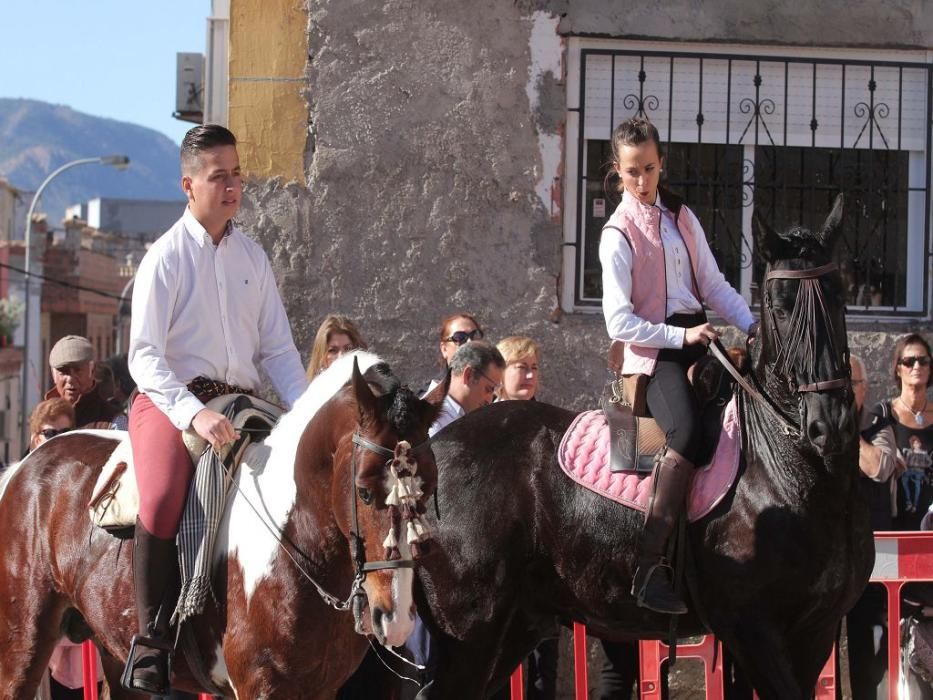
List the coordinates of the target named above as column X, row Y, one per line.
column 205, row 305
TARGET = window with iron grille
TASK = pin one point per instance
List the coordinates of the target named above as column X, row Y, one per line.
column 774, row 133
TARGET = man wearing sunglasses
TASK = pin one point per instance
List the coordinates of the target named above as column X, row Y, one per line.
column 72, row 362
column 475, row 379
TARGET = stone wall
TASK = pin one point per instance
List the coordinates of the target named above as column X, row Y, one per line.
column 428, row 152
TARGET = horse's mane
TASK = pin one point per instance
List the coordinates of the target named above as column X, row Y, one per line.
column 400, row 399
column 292, row 424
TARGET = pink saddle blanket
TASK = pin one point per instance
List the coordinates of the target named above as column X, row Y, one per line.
column 584, row 457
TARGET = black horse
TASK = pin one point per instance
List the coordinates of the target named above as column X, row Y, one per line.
column 523, row 549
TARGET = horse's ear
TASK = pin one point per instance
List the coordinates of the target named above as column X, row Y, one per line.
column 766, row 238
column 364, row 395
column 832, row 227
column 433, row 401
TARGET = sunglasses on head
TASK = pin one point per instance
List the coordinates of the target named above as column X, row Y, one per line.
column 461, row 337
column 922, row 360
column 49, row 433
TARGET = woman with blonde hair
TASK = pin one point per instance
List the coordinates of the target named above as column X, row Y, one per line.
column 336, row 336
column 520, row 377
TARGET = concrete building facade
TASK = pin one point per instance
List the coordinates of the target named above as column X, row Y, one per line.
column 408, row 160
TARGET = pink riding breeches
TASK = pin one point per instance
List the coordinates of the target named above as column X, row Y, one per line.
column 163, row 468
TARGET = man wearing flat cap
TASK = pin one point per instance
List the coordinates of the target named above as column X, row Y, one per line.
column 72, row 363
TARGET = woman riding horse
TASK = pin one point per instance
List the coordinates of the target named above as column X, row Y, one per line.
column 657, row 272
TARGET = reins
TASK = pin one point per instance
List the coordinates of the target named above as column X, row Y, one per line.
column 810, row 302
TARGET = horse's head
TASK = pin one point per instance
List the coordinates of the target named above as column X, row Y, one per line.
column 393, row 474
column 803, row 334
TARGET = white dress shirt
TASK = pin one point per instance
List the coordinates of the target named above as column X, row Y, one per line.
column 615, row 256
column 212, row 311
column 450, row 411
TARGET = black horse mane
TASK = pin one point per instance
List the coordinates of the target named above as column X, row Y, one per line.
column 398, row 399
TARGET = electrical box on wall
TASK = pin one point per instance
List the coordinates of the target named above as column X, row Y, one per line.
column 189, row 87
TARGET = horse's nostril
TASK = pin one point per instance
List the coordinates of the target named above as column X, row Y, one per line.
column 377, row 618
column 817, row 431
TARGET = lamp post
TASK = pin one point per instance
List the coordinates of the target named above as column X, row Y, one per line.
column 30, row 345
column 121, row 315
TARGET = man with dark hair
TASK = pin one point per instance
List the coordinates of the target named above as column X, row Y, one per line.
column 206, row 311
column 475, row 377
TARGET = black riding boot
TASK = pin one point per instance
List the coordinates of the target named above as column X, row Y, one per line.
column 155, row 574
column 653, row 586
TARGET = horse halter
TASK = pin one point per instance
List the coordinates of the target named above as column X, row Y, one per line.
column 809, row 304
column 402, row 501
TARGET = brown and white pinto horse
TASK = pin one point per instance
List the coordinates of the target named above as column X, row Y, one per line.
column 290, row 519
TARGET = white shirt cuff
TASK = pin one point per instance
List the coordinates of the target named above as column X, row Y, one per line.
column 184, row 411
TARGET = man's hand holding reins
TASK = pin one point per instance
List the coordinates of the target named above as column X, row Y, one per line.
column 704, row 333
column 214, row 427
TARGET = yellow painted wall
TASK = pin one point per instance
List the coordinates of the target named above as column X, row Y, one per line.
column 268, row 53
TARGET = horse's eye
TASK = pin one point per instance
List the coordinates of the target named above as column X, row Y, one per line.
column 780, row 314
column 365, row 495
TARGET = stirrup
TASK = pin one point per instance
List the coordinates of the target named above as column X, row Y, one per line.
column 640, row 592
column 142, row 642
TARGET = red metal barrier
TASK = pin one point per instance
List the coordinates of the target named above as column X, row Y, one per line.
column 89, row 670
column 900, row 557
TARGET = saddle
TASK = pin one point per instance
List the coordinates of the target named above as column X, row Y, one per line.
column 636, row 438
column 114, row 503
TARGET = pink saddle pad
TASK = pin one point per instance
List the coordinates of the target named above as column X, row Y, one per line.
column 584, row 457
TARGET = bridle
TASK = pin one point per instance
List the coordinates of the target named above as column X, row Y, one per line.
column 809, row 304
column 801, row 318
column 406, row 496
column 417, row 531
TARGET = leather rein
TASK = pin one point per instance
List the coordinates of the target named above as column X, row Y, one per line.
column 788, row 426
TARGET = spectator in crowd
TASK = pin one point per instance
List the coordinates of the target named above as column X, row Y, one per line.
column 879, row 465
column 66, row 681
column 50, row 418
column 336, row 336
column 455, row 331
column 72, row 362
column 123, row 381
column 520, row 383
column 475, row 378
column 520, row 376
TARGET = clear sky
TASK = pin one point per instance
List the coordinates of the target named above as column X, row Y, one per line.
column 108, row 58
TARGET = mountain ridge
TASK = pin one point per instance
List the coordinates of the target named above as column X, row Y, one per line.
column 38, row 137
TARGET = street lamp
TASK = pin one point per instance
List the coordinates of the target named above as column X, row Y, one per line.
column 29, row 347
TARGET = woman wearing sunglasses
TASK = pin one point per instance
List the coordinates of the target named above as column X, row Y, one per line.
column 456, row 330
column 910, row 414
column 50, row 418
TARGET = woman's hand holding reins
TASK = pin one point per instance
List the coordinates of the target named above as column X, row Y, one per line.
column 704, row 333
column 214, row 427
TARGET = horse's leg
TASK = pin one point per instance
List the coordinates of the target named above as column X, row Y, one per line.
column 30, row 626
column 764, row 656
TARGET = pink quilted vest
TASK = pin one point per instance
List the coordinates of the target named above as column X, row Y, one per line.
column 640, row 224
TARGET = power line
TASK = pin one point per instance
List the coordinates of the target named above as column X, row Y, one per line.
column 69, row 285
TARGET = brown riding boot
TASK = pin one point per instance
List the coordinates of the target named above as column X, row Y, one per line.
column 155, row 574
column 652, row 585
